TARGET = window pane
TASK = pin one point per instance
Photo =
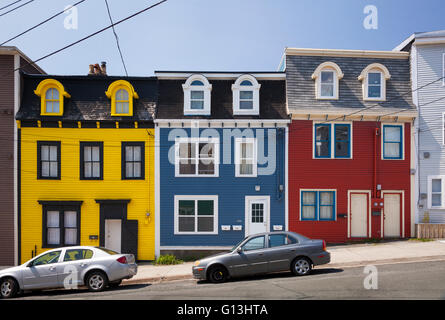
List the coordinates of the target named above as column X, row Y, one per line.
column 322, row 149
column 327, row 77
column 206, row 150
column 342, row 149
column 392, row 150
column 205, row 224
column 137, row 170
column 53, row 236
column 87, row 153
column 125, row 107
column 96, row 170
column 308, row 212
column 246, row 167
column 122, row 94
column 129, row 153
column 186, row 224
column 206, row 166
column 246, row 83
column 392, row 134
column 374, row 78
column 246, row 150
column 44, row 153
column 52, row 219
column 257, row 213
column 129, row 173
column 87, row 170
column 95, row 153
column 326, row 198
column 322, row 132
column 197, row 104
column 436, row 200
column 187, row 150
column 70, row 219
column 50, row 257
column 327, row 90
column 326, row 212
column 55, row 106
column 246, row 105
column 137, row 153
column 186, row 207
column 53, row 153
column 70, row 236
column 45, row 169
column 197, row 83
column 187, row 166
column 254, row 244
column 205, row 207
column 49, row 106
column 246, row 95
column 197, row 95
column 437, row 185
column 277, row 240
column 309, row 198
column 53, row 169
column 374, row 91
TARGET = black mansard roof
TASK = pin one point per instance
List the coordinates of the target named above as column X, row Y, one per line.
column 88, row 100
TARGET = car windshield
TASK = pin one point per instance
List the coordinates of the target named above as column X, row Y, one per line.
column 237, row 245
column 107, row 250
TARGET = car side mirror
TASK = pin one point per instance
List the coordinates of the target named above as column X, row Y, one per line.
column 239, row 250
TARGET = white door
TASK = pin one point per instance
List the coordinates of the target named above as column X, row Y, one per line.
column 359, row 215
column 257, row 215
column 113, row 234
column 391, row 215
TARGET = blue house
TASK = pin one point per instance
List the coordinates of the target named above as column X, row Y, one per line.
column 221, row 146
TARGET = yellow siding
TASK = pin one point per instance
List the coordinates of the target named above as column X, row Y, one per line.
column 71, row 188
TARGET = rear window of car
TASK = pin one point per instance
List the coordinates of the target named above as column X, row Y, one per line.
column 276, row 240
column 77, row 254
column 107, row 250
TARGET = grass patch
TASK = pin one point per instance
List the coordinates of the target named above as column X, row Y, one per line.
column 421, row 239
column 168, row 259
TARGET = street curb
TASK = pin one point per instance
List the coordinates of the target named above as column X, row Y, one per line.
column 329, row 265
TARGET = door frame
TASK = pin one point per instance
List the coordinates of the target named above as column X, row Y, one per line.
column 247, row 200
column 368, row 220
column 402, row 212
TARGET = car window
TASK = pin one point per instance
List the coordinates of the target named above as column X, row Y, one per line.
column 107, row 250
column 254, row 244
column 276, row 240
column 50, row 257
column 77, row 254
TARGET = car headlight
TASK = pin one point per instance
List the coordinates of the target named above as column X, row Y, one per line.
column 197, row 263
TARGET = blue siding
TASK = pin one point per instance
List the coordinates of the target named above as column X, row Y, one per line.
column 231, row 192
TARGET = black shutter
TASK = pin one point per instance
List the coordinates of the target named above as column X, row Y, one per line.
column 130, row 237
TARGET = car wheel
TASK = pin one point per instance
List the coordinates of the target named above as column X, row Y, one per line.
column 8, row 288
column 218, row 274
column 301, row 266
column 115, row 284
column 97, row 281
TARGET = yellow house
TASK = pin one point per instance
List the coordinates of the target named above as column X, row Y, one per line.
column 86, row 164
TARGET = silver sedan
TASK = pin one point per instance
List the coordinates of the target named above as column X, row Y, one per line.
column 69, row 267
column 264, row 253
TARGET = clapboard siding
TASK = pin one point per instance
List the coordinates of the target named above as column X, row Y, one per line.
column 431, row 100
column 7, row 160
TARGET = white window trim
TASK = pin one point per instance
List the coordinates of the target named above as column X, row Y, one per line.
column 384, row 74
column 188, row 88
column 238, row 142
column 382, row 144
column 236, row 88
column 430, row 191
column 177, row 198
column 215, row 141
column 319, row 190
column 333, row 123
column 338, row 75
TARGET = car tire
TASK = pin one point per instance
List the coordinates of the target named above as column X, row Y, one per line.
column 115, row 284
column 218, row 274
column 301, row 266
column 96, row 281
column 8, row 288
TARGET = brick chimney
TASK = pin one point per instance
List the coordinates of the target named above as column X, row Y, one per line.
column 98, row 70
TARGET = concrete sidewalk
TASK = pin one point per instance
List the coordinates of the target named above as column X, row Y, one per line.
column 341, row 256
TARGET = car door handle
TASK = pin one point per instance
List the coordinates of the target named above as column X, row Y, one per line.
column 52, row 268
column 83, row 265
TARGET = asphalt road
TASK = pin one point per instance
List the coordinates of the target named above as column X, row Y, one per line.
column 421, row 280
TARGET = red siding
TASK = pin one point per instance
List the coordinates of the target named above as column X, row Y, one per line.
column 343, row 175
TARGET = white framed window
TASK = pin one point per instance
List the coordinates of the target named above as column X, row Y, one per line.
column 327, row 76
column 393, row 142
column 197, row 96
column 374, row 78
column 436, row 194
column 246, row 157
column 196, row 214
column 197, row 157
column 246, row 95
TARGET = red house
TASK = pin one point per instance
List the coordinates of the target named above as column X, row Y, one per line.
column 350, row 159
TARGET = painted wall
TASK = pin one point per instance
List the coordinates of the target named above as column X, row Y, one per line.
column 231, row 193
column 431, row 106
column 71, row 188
column 342, row 175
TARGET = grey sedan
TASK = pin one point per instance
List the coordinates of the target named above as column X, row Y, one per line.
column 69, row 268
column 264, row 253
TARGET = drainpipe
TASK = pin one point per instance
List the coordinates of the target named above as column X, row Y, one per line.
column 374, row 182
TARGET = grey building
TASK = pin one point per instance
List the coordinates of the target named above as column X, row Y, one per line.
column 427, row 54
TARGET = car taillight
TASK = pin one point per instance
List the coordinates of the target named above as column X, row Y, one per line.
column 324, row 245
column 122, row 260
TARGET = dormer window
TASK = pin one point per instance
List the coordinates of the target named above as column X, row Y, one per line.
column 373, row 79
column 121, row 93
column 246, row 96
column 52, row 95
column 327, row 76
column 197, row 95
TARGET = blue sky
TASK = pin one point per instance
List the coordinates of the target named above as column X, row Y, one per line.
column 223, row 35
